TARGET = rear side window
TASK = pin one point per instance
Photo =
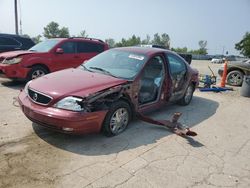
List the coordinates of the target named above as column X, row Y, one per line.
column 8, row 41
column 69, row 47
column 88, row 47
column 177, row 66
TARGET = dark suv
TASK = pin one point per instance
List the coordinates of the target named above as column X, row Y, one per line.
column 49, row 56
column 9, row 42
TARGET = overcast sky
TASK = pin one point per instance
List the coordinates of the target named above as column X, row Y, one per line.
column 221, row 22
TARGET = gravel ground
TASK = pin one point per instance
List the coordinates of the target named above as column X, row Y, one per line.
column 143, row 156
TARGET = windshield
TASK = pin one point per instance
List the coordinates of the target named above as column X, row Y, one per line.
column 117, row 63
column 44, row 46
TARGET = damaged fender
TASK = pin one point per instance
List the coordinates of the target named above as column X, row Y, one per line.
column 102, row 99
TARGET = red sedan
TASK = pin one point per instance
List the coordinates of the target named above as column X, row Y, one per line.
column 105, row 93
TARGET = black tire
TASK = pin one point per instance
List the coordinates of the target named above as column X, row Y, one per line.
column 186, row 99
column 235, row 78
column 36, row 72
column 108, row 128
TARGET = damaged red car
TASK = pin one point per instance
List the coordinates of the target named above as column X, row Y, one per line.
column 106, row 92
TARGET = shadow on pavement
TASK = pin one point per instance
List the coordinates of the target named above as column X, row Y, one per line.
column 13, row 84
column 137, row 134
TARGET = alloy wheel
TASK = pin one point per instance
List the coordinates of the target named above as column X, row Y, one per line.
column 37, row 73
column 119, row 120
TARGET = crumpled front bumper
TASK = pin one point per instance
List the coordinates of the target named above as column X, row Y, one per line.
column 15, row 71
column 61, row 120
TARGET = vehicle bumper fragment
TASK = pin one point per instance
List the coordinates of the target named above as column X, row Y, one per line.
column 173, row 125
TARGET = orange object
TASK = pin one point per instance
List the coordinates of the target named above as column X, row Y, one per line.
column 224, row 75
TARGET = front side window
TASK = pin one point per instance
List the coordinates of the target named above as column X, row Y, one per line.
column 89, row 47
column 117, row 63
column 44, row 46
column 177, row 66
column 69, row 47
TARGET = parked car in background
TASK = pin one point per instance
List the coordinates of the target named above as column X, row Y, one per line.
column 9, row 42
column 49, row 56
column 217, row 60
column 108, row 90
column 236, row 71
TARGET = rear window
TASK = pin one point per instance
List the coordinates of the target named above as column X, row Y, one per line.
column 87, row 47
column 8, row 41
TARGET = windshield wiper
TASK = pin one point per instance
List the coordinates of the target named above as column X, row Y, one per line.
column 102, row 70
column 85, row 68
column 32, row 50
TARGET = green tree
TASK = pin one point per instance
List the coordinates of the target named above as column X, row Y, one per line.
column 202, row 50
column 147, row 40
column 64, row 32
column 110, row 42
column 52, row 30
column 133, row 41
column 180, row 50
column 244, row 45
column 83, row 33
column 162, row 40
column 37, row 39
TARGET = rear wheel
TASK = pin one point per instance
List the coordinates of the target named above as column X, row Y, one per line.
column 235, row 78
column 186, row 99
column 117, row 118
column 37, row 71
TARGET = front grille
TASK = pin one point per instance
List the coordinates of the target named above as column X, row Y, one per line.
column 38, row 97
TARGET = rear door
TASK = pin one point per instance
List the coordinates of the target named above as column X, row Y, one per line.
column 178, row 73
column 88, row 49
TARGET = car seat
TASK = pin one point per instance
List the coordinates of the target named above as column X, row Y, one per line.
column 149, row 88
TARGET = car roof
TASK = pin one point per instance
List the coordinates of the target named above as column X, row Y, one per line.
column 13, row 35
column 148, row 51
column 78, row 38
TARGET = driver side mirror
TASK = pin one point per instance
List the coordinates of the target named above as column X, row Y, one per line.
column 59, row 51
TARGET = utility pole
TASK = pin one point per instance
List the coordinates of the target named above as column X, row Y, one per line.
column 16, row 17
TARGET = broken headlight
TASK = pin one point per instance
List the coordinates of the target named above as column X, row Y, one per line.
column 70, row 103
column 12, row 61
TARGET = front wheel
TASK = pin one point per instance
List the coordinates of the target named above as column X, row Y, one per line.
column 186, row 99
column 36, row 71
column 117, row 118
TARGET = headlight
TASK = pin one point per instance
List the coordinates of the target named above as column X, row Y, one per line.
column 12, row 61
column 70, row 103
column 27, row 87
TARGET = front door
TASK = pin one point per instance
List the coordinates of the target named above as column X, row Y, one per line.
column 178, row 73
column 69, row 58
column 151, row 81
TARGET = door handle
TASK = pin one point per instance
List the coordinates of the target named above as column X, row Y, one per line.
column 76, row 56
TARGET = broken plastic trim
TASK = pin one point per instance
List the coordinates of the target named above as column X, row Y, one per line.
column 104, row 97
column 173, row 125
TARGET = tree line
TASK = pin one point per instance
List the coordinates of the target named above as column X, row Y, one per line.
column 53, row 30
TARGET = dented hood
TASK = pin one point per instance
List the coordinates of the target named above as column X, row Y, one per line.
column 13, row 54
column 74, row 82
